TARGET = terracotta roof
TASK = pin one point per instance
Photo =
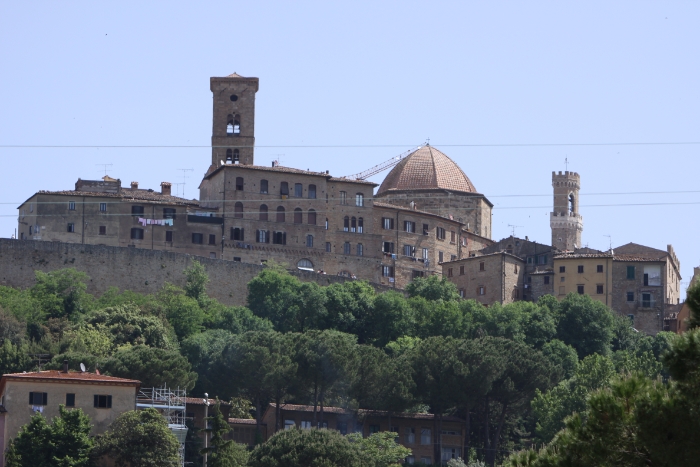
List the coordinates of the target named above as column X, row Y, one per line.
column 641, row 252
column 484, row 256
column 341, row 411
column 125, row 194
column 582, row 255
column 417, row 211
column 310, row 408
column 200, row 401
column 637, row 258
column 235, row 75
column 427, row 168
column 56, row 376
column 343, row 179
column 243, row 421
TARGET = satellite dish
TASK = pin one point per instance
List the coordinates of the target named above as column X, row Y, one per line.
column 82, row 367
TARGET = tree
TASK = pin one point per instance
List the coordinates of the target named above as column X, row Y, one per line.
column 140, row 438
column 14, row 358
column 153, row 367
column 222, row 452
column 183, row 312
column 561, row 355
column 380, row 449
column 11, row 328
column 585, row 324
column 433, row 288
column 307, row 448
column 129, row 324
column 350, row 308
column 203, row 351
column 393, row 318
column 66, row 442
column 61, row 293
column 692, row 299
column 196, row 284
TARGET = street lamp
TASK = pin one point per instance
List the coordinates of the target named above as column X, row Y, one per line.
column 206, row 426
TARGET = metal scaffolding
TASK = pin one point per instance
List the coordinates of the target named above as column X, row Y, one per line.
column 171, row 404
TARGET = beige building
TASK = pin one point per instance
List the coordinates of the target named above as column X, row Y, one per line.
column 489, row 278
column 102, row 398
column 584, row 273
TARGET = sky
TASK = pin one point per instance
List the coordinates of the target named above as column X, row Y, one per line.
column 510, row 91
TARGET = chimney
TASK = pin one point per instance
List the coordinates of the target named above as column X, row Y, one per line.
column 134, row 185
column 65, row 366
column 165, row 188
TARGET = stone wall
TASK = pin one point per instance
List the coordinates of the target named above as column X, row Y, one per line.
column 139, row 270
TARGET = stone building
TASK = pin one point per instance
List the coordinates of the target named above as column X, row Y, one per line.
column 566, row 220
column 488, row 278
column 426, row 212
column 584, row 273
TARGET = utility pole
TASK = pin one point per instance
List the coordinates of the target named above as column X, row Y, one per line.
column 206, row 427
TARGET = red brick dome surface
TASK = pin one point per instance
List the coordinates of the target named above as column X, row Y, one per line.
column 426, row 168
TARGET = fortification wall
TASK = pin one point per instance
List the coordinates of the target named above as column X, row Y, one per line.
column 136, row 269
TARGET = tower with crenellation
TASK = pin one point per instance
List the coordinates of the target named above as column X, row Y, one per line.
column 565, row 219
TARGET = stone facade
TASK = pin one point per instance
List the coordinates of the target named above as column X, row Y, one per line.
column 584, row 273
column 490, row 278
column 233, row 122
column 566, row 220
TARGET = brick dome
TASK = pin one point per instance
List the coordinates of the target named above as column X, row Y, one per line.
column 424, row 169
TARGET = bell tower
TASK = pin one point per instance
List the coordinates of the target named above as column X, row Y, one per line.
column 233, row 131
column 565, row 220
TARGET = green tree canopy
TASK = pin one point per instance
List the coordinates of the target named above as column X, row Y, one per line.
column 153, row 367
column 585, row 324
column 222, row 452
column 433, row 288
column 62, row 293
column 380, row 449
column 129, row 324
column 307, row 448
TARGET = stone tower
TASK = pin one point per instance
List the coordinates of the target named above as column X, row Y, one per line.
column 565, row 220
column 233, row 132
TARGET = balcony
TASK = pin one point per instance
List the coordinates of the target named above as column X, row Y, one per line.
column 205, row 219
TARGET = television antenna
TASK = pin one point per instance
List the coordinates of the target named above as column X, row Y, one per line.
column 610, row 239
column 82, row 367
column 513, row 227
column 105, row 167
column 184, row 179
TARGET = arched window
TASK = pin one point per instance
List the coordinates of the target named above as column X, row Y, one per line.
column 238, row 210
column 353, row 224
column 263, row 212
column 280, row 213
column 360, row 225
column 239, row 183
column 263, row 186
column 229, row 156
column 572, row 205
column 233, row 125
column 312, row 217
column 236, row 156
column 346, row 224
column 305, row 264
column 298, row 216
column 229, row 124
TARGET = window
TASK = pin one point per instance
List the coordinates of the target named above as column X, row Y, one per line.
column 353, row 224
column 599, row 289
column 425, row 254
column 326, row 223
column 343, row 197
column 543, row 259
column 580, row 268
column 482, row 266
column 453, row 237
column 263, row 187
column 360, row 249
column 646, row 300
column 387, row 271
column 103, row 207
column 515, row 269
column 562, row 279
column 312, row 191
column 237, row 233
column 411, row 459
column 481, row 290
column 387, row 223
column 409, row 250
column 440, row 233
column 426, row 460
column 70, row 227
column 328, row 247
column 562, row 269
column 388, row 247
column 425, row 437
column 450, row 453
column 630, row 296
column 298, row 190
column 346, row 248
column 360, row 225
column 137, row 210
column 263, row 212
column 71, row 205
column 168, row 235
column 373, row 429
column 70, row 400
column 409, row 435
column 169, row 213
column 298, row 216
column 426, row 229
column 102, row 402
column 103, row 230
column 238, row 210
column 529, row 260
column 409, row 226
column 461, row 270
column 284, row 189
column 289, row 424
column 280, row 213
column 630, row 272
column 416, row 274
column 359, row 199
column 449, row 272
column 212, row 239
column 31, row 229
column 579, row 289
column 652, row 275
column 546, row 279
column 461, row 293
column 346, row 224
column 38, row 398
column 599, row 268
column 440, row 257
column 312, row 217
column 279, row 238
column 309, row 241
column 305, row 425
column 136, row 234
column 197, row 238
column 229, row 153
column 239, row 183
column 262, row 236
column 342, row 428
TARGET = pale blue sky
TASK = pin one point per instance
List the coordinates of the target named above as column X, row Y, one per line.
column 371, row 73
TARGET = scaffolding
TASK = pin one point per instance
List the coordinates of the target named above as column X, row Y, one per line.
column 171, row 404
